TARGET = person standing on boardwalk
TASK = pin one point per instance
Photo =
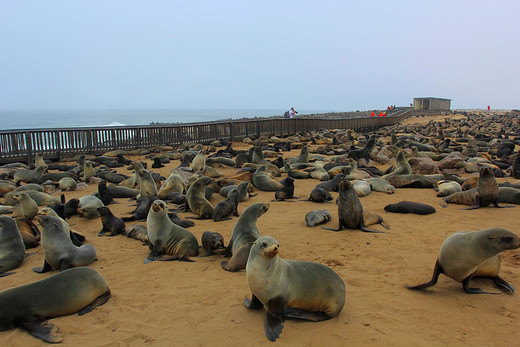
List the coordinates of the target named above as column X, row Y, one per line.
column 292, row 112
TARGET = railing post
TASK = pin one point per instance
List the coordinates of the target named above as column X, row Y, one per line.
column 58, row 144
column 29, row 149
column 231, row 135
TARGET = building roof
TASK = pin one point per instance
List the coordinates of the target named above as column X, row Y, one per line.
column 429, row 97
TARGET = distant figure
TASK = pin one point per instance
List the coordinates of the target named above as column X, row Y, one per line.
column 384, row 114
column 292, row 112
column 411, row 105
column 372, row 114
column 489, row 109
column 380, row 113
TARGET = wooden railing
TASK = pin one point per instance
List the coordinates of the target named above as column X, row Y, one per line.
column 22, row 145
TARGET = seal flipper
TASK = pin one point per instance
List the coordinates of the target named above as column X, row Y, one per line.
column 467, row 289
column 100, row 300
column 45, row 268
column 155, row 253
column 76, row 238
column 502, row 284
column 437, row 270
column 495, row 203
column 274, row 319
column 364, row 228
column 476, row 204
column 42, row 329
column 298, row 313
column 254, row 303
column 339, row 228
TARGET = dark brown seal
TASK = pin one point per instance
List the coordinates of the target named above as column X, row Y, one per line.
column 111, row 224
column 212, row 241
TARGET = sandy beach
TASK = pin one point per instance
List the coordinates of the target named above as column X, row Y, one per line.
column 199, row 304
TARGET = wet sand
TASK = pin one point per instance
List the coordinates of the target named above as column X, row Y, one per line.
column 181, row 303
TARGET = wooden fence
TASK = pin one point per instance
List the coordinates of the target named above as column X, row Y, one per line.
column 22, row 145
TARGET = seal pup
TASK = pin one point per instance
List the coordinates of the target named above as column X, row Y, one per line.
column 227, row 207
column 59, row 251
column 290, row 288
column 12, row 248
column 212, row 241
column 104, row 194
column 467, row 254
column 29, row 306
column 138, row 232
column 446, row 187
column 286, row 191
column 196, row 200
column 142, row 209
column 410, row 207
column 167, row 237
column 111, row 224
column 244, row 234
column 350, row 209
column 317, row 217
column 332, row 185
column 319, row 195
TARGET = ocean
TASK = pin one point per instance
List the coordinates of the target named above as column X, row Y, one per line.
column 36, row 119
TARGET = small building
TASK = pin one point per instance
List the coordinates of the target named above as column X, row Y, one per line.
column 431, row 104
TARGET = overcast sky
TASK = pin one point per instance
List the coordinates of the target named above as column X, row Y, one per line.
column 331, row 55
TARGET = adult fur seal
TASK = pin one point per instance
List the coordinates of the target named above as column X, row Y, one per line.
column 244, row 234
column 515, row 168
column 196, row 200
column 12, row 249
column 263, row 181
column 410, row 207
column 147, row 186
column 350, row 209
column 468, row 254
column 167, row 237
column 59, row 251
column 316, row 217
column 290, row 288
column 26, row 207
column 111, row 224
column 29, row 306
column 485, row 194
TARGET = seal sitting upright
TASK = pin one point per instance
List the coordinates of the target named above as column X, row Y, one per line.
column 244, row 234
column 468, row 254
column 167, row 237
column 290, row 288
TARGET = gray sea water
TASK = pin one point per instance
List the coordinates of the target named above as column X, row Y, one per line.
column 36, row 119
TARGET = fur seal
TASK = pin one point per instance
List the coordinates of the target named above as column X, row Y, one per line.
column 286, row 191
column 244, row 234
column 196, row 200
column 147, row 186
column 211, row 241
column 80, row 289
column 104, row 194
column 111, row 223
column 332, row 185
column 227, row 207
column 380, row 185
column 67, row 184
column 468, row 254
column 410, row 207
column 509, row 195
column 446, row 187
column 320, row 195
column 138, row 232
column 12, row 249
column 29, row 176
column 515, row 168
column 174, row 183
column 410, row 181
column 317, row 217
column 41, row 198
column 141, row 211
column 485, row 194
column 263, row 181
column 361, row 187
column 167, row 237
column 29, row 231
column 59, row 251
column 350, row 209
column 26, row 207
column 290, row 288
column 88, row 206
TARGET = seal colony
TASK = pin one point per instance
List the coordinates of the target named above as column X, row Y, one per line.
column 175, row 289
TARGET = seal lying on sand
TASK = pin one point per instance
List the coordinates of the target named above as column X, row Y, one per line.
column 80, row 289
column 468, row 254
column 290, row 288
